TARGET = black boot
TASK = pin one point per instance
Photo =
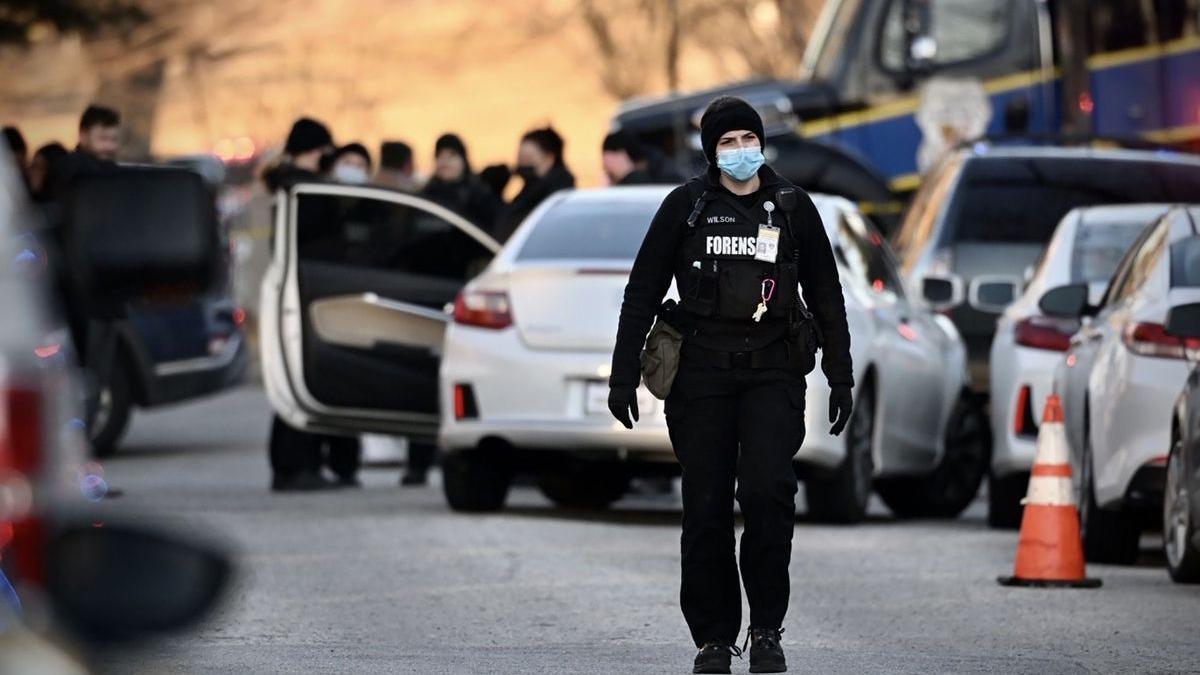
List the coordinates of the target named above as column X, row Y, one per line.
column 714, row 657
column 766, row 654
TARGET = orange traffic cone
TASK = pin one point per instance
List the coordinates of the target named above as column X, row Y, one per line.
column 1050, row 551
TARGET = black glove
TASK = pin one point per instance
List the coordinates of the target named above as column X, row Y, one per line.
column 841, row 402
column 621, row 402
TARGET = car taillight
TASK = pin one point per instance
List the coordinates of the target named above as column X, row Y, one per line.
column 464, row 402
column 1152, row 339
column 20, row 463
column 1041, row 332
column 485, row 309
column 1024, row 423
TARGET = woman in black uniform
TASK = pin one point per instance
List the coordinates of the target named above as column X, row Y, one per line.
column 738, row 241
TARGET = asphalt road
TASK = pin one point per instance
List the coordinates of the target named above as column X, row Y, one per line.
column 388, row 580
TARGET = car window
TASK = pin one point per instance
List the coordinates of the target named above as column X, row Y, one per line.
column 962, row 29
column 589, row 230
column 1099, row 248
column 372, row 233
column 919, row 220
column 866, row 253
column 1139, row 264
column 1021, row 200
column 1185, row 263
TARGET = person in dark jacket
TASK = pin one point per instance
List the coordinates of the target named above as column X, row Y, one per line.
column 41, row 168
column 397, row 170
column 96, row 150
column 456, row 187
column 540, row 165
column 308, row 143
column 623, row 157
column 350, row 164
column 739, row 240
column 297, row 456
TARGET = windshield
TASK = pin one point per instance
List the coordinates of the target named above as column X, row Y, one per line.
column 824, row 55
column 589, row 230
column 1021, row 200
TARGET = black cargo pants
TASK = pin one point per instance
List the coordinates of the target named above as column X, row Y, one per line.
column 742, row 424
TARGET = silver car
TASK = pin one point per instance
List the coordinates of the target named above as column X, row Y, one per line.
column 986, row 212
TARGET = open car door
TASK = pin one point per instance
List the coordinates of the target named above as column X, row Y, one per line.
column 367, row 280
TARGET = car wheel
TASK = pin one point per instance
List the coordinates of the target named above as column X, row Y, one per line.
column 843, row 497
column 476, row 481
column 111, row 414
column 953, row 484
column 1179, row 523
column 594, row 488
column 1004, row 500
column 1108, row 536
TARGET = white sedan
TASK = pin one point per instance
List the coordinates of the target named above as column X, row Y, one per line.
column 1086, row 247
column 1119, row 380
column 523, row 381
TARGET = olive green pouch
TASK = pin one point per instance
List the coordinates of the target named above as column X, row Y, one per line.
column 660, row 358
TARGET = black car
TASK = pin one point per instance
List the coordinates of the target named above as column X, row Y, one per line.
column 169, row 345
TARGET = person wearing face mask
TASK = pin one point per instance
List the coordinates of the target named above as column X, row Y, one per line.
column 738, row 240
column 349, row 165
column 540, row 165
column 456, row 187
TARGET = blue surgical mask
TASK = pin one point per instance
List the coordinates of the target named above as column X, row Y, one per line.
column 740, row 164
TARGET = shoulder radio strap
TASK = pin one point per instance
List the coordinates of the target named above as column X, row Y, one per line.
column 702, row 196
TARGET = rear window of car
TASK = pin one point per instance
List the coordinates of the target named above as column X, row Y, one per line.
column 1099, row 249
column 1185, row 263
column 589, row 230
column 1021, row 200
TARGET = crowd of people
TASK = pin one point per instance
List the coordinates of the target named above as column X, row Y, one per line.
column 311, row 154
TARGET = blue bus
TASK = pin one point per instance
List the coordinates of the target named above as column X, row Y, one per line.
column 1126, row 70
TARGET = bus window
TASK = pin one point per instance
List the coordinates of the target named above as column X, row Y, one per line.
column 963, row 30
column 1119, row 24
column 1177, row 18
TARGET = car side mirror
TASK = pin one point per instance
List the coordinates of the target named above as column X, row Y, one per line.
column 941, row 292
column 119, row 582
column 1068, row 302
column 992, row 294
column 135, row 231
column 1184, row 320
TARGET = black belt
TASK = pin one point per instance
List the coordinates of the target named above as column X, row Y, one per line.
column 775, row 355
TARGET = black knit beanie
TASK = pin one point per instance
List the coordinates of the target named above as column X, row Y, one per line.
column 452, row 143
column 307, row 134
column 725, row 114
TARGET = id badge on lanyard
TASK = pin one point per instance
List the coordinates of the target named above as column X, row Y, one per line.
column 766, row 246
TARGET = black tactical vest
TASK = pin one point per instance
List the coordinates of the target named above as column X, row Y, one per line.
column 716, row 272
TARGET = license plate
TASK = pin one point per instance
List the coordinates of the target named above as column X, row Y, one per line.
column 596, row 400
